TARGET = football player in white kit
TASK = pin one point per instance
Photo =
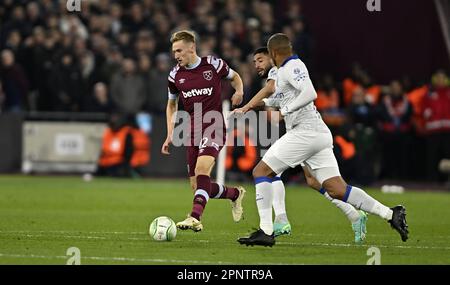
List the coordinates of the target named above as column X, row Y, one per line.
column 267, row 97
column 309, row 142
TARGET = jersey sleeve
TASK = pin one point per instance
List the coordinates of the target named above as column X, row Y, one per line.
column 172, row 89
column 220, row 66
column 297, row 75
column 272, row 75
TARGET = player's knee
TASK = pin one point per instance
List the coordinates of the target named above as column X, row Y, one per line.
column 262, row 170
column 201, row 169
column 258, row 172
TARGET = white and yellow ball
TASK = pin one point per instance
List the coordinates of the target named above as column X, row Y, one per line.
column 163, row 229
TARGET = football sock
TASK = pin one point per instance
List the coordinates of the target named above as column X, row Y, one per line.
column 219, row 191
column 349, row 211
column 201, row 196
column 361, row 200
column 264, row 198
column 279, row 205
column 281, row 218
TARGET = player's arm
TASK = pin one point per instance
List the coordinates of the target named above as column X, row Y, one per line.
column 299, row 79
column 238, row 85
column 171, row 109
column 224, row 71
column 258, row 100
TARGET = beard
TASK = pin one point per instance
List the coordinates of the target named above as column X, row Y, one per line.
column 264, row 74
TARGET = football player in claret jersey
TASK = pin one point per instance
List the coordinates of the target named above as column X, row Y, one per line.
column 267, row 96
column 197, row 82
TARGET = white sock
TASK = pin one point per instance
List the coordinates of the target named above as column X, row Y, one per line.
column 264, row 197
column 279, row 205
column 361, row 200
column 349, row 211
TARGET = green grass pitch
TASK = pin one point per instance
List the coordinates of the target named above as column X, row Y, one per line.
column 108, row 219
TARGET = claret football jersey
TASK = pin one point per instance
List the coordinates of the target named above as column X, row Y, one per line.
column 200, row 84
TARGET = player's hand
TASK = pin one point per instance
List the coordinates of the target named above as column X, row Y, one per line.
column 237, row 99
column 165, row 146
column 240, row 111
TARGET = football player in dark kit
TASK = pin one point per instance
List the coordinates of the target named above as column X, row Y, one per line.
column 197, row 81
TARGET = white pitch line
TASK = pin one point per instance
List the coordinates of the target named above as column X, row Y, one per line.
column 26, row 234
column 365, row 245
column 75, row 232
column 64, row 236
column 145, row 233
column 106, row 258
column 105, row 238
column 129, row 259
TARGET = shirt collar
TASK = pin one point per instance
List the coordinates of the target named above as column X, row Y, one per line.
column 289, row 58
column 195, row 64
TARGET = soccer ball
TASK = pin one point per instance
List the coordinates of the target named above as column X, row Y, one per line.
column 163, row 229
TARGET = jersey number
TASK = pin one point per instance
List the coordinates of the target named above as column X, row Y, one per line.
column 203, row 142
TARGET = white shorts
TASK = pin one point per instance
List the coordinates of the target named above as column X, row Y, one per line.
column 314, row 149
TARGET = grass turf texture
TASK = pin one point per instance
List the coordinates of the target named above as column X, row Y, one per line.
column 108, row 220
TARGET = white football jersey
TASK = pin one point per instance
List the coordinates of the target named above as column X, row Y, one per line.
column 272, row 74
column 292, row 78
column 273, row 100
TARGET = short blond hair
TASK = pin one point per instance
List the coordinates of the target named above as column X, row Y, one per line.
column 184, row 35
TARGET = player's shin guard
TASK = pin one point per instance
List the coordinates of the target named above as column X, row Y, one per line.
column 201, row 196
column 264, row 197
column 361, row 200
column 219, row 191
column 349, row 211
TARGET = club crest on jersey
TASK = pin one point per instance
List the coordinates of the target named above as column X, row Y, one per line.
column 208, row 75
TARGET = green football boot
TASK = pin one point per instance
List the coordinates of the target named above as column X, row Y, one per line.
column 359, row 227
column 281, row 229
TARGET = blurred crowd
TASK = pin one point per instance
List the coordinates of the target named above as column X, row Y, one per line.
column 114, row 56
column 397, row 131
